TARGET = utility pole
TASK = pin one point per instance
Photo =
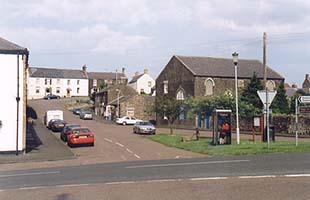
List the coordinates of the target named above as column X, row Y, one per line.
column 266, row 126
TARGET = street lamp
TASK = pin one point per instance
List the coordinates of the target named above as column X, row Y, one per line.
column 118, row 91
column 235, row 60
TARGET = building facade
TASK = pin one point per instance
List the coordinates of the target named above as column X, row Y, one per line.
column 62, row 82
column 142, row 83
column 186, row 76
column 14, row 62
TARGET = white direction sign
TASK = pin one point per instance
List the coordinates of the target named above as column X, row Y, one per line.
column 304, row 99
column 262, row 95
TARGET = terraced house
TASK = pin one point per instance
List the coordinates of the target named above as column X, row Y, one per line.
column 185, row 76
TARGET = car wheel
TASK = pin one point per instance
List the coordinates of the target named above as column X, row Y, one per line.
column 134, row 131
column 124, row 123
column 61, row 137
column 69, row 144
column 92, row 144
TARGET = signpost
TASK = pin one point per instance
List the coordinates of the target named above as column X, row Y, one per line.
column 300, row 110
column 267, row 97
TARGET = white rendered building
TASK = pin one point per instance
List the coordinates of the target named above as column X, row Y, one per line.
column 142, row 83
column 13, row 62
column 62, row 82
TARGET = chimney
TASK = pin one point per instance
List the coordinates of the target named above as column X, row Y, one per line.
column 123, row 70
column 307, row 77
column 84, row 68
column 146, row 71
column 294, row 85
column 137, row 73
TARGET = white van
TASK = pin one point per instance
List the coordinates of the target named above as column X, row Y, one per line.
column 53, row 114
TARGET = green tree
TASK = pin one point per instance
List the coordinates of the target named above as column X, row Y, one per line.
column 292, row 100
column 249, row 95
column 280, row 103
column 102, row 85
column 168, row 107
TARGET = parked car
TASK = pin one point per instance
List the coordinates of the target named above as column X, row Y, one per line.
column 86, row 115
column 81, row 135
column 144, row 127
column 77, row 111
column 66, row 131
column 57, row 125
column 49, row 124
column 51, row 96
column 127, row 120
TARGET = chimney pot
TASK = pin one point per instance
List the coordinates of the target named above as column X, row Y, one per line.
column 84, row 68
column 123, row 70
column 146, row 71
column 307, row 77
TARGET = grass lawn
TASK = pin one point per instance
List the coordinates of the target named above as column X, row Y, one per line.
column 245, row 147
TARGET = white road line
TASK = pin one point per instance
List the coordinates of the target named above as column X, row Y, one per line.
column 119, row 144
column 164, row 180
column 106, row 139
column 297, row 175
column 29, row 174
column 184, row 164
column 263, row 176
column 124, row 182
column 31, row 188
column 129, row 150
column 136, row 156
column 73, row 185
column 209, row 178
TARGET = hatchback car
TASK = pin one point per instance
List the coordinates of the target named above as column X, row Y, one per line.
column 66, row 131
column 81, row 135
column 51, row 96
column 86, row 115
column 57, row 125
column 144, row 127
column 77, row 111
column 127, row 120
column 49, row 124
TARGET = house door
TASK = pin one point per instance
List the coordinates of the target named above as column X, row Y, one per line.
column 68, row 93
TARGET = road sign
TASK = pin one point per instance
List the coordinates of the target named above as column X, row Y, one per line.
column 262, row 95
column 304, row 99
column 304, row 109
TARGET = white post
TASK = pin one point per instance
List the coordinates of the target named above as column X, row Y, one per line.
column 267, row 119
column 296, row 122
column 237, row 111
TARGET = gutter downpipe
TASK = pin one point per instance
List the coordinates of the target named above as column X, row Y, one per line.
column 17, row 102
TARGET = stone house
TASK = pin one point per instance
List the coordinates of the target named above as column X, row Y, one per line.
column 186, row 76
column 110, row 78
column 122, row 99
column 62, row 82
column 142, row 83
column 13, row 87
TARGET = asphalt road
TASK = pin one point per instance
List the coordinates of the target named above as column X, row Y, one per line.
column 272, row 165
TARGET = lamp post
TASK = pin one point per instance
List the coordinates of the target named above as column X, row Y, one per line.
column 118, row 91
column 235, row 60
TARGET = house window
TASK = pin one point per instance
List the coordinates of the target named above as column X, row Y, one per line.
column 58, row 90
column 141, row 91
column 180, row 94
column 58, row 81
column 270, row 85
column 78, row 82
column 46, row 81
column 241, row 83
column 68, row 82
column 37, row 81
column 77, row 90
column 209, row 84
column 50, row 81
column 149, row 84
column 37, row 90
column 165, row 87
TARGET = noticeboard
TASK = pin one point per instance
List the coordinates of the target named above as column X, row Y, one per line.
column 304, row 110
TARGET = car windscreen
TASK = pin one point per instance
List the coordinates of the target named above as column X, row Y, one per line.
column 80, row 131
column 146, row 123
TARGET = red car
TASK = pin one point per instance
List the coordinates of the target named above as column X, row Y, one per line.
column 80, row 135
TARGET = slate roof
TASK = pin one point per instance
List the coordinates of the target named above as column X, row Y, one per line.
column 135, row 78
column 56, row 73
column 224, row 67
column 7, row 47
column 105, row 75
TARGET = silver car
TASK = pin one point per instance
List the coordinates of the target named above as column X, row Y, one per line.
column 86, row 115
column 144, row 127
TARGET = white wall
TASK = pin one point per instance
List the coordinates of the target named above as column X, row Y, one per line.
column 8, row 105
column 142, row 83
column 33, row 83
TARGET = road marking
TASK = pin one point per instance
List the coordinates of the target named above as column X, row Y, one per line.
column 129, row 150
column 106, row 139
column 29, row 174
column 208, row 178
column 31, row 188
column 297, row 175
column 263, row 176
column 184, row 164
column 123, row 182
column 164, row 180
column 119, row 144
column 73, row 185
column 136, row 156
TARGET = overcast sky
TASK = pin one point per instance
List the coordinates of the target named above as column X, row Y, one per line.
column 108, row 34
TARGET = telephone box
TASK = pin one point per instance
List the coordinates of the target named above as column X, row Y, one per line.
column 221, row 127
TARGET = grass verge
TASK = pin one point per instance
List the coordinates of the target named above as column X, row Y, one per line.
column 245, row 147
